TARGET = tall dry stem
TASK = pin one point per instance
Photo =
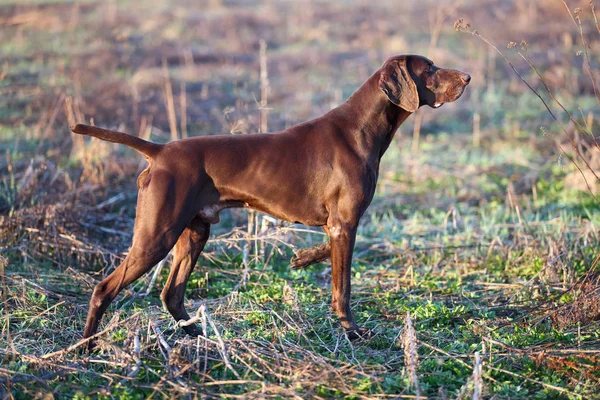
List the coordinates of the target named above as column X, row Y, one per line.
column 577, row 21
column 3, row 265
column 411, row 356
column 477, row 378
column 253, row 219
column 183, row 109
column 78, row 145
column 169, row 102
column 264, row 87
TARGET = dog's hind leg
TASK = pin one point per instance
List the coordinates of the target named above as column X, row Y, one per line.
column 305, row 257
column 187, row 250
column 137, row 263
column 160, row 220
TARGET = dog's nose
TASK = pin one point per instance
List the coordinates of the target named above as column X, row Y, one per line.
column 466, row 78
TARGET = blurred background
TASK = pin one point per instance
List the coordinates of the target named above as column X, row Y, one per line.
column 177, row 69
column 481, row 195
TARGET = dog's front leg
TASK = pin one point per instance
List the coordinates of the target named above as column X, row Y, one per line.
column 342, row 237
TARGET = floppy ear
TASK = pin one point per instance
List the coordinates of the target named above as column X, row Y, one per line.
column 398, row 86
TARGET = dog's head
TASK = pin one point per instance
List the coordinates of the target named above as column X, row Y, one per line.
column 412, row 81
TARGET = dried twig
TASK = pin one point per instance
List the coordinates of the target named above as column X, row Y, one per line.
column 169, row 102
column 462, row 27
column 411, row 356
column 85, row 341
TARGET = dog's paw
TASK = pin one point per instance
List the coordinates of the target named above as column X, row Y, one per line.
column 90, row 347
column 359, row 334
column 297, row 262
column 192, row 330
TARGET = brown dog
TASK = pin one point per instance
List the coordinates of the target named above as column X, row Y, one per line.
column 318, row 173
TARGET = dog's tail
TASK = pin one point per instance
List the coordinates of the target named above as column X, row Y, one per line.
column 148, row 149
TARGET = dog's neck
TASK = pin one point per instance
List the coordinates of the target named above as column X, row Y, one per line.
column 372, row 118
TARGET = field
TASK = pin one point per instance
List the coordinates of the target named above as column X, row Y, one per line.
column 476, row 265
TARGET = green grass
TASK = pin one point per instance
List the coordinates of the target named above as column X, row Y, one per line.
column 463, row 293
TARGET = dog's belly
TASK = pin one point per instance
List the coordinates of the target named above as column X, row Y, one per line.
column 302, row 212
column 310, row 216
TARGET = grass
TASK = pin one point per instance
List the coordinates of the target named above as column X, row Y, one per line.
column 472, row 279
column 491, row 249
